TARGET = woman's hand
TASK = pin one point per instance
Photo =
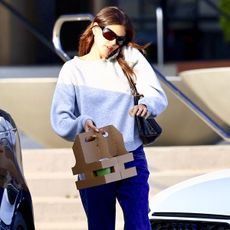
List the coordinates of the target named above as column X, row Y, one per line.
column 89, row 125
column 139, row 110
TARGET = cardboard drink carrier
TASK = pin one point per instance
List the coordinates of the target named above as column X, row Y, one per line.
column 101, row 158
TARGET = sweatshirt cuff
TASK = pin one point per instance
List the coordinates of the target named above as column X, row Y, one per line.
column 149, row 108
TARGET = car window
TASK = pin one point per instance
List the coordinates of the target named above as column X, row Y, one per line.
column 9, row 137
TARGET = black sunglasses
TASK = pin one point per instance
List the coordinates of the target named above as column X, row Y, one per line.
column 110, row 35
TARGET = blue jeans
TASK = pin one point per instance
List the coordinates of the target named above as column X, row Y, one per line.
column 132, row 194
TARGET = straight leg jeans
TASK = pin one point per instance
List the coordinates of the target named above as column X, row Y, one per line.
column 132, row 194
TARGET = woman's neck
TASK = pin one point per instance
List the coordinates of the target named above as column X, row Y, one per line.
column 92, row 55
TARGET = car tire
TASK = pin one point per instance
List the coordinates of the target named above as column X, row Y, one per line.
column 19, row 222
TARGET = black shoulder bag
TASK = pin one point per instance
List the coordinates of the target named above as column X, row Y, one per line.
column 149, row 130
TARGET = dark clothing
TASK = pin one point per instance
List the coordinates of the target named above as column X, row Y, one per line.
column 132, row 194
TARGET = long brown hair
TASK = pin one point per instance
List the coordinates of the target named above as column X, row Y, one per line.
column 111, row 15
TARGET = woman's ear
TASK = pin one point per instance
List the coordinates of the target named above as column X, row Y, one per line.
column 95, row 24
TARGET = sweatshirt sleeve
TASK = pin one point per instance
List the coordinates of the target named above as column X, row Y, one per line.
column 65, row 116
column 147, row 83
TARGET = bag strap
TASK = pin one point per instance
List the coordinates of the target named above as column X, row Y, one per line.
column 134, row 88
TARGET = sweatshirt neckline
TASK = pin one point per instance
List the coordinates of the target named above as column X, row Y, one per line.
column 91, row 61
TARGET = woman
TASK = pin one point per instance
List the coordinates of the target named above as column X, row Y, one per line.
column 93, row 91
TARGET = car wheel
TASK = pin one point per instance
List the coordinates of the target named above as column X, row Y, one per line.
column 19, row 222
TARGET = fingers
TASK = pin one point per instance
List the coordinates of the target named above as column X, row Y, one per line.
column 139, row 110
column 89, row 125
column 147, row 115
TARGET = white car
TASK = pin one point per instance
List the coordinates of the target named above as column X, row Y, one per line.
column 200, row 203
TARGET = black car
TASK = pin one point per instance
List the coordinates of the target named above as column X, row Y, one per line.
column 16, row 209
